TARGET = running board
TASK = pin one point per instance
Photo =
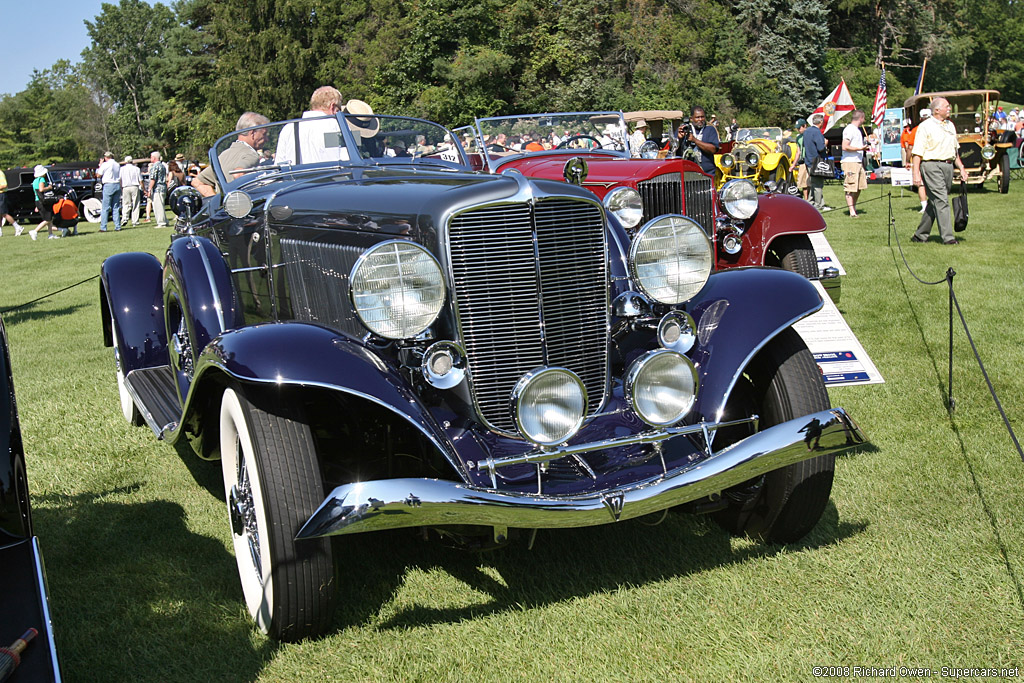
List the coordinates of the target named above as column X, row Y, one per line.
column 154, row 394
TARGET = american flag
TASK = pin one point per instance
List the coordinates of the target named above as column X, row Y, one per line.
column 878, row 112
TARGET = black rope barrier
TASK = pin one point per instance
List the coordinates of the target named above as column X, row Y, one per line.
column 953, row 302
column 47, row 296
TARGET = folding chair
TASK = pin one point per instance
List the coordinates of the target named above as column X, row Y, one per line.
column 1016, row 170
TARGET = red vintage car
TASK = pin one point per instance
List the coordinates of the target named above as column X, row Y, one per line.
column 592, row 149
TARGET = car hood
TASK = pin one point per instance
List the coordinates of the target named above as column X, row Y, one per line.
column 601, row 169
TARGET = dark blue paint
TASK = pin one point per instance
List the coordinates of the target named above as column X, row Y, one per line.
column 134, row 296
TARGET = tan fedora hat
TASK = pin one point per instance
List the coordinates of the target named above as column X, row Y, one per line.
column 361, row 118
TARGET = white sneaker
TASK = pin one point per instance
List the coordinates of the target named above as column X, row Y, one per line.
column 54, row 237
column 18, row 229
column 33, row 234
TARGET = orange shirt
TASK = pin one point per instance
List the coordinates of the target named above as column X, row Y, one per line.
column 534, row 147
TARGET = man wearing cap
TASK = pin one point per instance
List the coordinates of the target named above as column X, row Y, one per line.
column 638, row 138
column 936, row 151
column 311, row 138
column 109, row 172
column 131, row 189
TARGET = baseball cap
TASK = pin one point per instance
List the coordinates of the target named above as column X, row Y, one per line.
column 925, row 113
column 800, row 123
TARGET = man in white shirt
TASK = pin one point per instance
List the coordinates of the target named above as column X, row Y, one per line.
column 638, row 138
column 109, row 172
column 318, row 140
column 131, row 191
column 852, row 161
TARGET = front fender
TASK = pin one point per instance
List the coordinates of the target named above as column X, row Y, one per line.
column 304, row 354
column 737, row 313
column 771, row 160
column 130, row 292
column 777, row 215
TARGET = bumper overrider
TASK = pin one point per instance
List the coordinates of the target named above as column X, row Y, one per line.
column 396, row 503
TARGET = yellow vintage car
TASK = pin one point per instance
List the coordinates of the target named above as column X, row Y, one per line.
column 761, row 155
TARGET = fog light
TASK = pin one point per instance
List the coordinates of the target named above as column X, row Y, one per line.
column 677, row 331
column 444, row 365
column 549, row 405
column 661, row 386
column 238, row 204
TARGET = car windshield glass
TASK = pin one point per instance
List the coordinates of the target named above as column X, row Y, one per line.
column 968, row 112
column 745, row 134
column 536, row 133
column 319, row 140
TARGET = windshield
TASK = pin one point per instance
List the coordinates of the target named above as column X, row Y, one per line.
column 320, row 140
column 745, row 134
column 539, row 133
column 970, row 112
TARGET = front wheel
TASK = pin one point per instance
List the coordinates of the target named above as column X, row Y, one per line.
column 128, row 407
column 1004, row 174
column 782, row 506
column 794, row 253
column 272, row 484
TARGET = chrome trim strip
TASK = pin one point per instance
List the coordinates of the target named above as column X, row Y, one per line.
column 37, row 557
column 553, row 453
column 398, row 503
column 218, row 305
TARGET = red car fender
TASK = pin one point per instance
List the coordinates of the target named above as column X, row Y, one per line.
column 777, row 215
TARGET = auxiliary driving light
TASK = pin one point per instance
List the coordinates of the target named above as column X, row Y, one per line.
column 677, row 331
column 661, row 386
column 549, row 405
column 444, row 364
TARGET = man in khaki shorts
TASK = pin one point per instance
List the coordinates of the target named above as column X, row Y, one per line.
column 852, row 161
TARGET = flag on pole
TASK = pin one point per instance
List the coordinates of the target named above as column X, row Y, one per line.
column 837, row 105
column 878, row 112
column 920, row 77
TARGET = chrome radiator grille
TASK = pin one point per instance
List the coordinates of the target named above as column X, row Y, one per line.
column 661, row 194
column 700, row 200
column 531, row 289
column 317, row 276
column 691, row 195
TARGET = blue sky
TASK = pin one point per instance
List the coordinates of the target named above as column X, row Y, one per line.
column 28, row 46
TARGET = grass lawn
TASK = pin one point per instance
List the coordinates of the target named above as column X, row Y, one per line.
column 918, row 561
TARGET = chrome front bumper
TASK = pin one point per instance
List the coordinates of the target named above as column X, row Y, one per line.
column 395, row 503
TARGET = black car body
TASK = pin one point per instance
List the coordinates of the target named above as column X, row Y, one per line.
column 389, row 340
column 24, row 600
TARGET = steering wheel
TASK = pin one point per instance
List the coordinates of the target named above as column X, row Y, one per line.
column 565, row 143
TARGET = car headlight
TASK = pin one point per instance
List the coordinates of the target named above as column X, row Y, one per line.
column 752, row 158
column 727, row 161
column 670, row 259
column 549, row 405
column 661, row 387
column 988, row 152
column 397, row 289
column 626, row 204
column 739, row 199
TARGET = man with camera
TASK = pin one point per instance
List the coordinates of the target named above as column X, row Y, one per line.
column 702, row 139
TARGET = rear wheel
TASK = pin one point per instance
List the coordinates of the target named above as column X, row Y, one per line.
column 782, row 506
column 272, row 485
column 795, row 253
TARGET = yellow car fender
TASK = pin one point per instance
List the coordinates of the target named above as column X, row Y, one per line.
column 770, row 161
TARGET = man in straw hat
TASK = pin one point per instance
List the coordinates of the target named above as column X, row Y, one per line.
column 638, row 137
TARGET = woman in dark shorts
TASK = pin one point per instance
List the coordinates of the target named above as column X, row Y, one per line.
column 40, row 185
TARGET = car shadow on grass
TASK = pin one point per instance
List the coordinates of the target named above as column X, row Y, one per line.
column 564, row 564
column 136, row 595
column 20, row 313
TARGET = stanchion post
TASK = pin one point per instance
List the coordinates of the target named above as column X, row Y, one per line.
column 951, row 405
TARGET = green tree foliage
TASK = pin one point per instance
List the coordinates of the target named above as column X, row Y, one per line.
column 176, row 78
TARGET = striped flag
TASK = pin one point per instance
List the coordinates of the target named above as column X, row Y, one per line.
column 878, row 112
column 837, row 105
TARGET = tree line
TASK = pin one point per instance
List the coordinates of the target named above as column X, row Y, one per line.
column 176, row 77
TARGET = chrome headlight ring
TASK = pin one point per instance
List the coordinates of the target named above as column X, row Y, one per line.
column 397, row 289
column 626, row 204
column 988, row 152
column 670, row 259
column 444, row 364
column 739, row 199
column 677, row 331
column 661, row 387
column 549, row 405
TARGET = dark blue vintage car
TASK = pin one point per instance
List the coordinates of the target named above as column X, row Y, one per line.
column 24, row 599
column 370, row 336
